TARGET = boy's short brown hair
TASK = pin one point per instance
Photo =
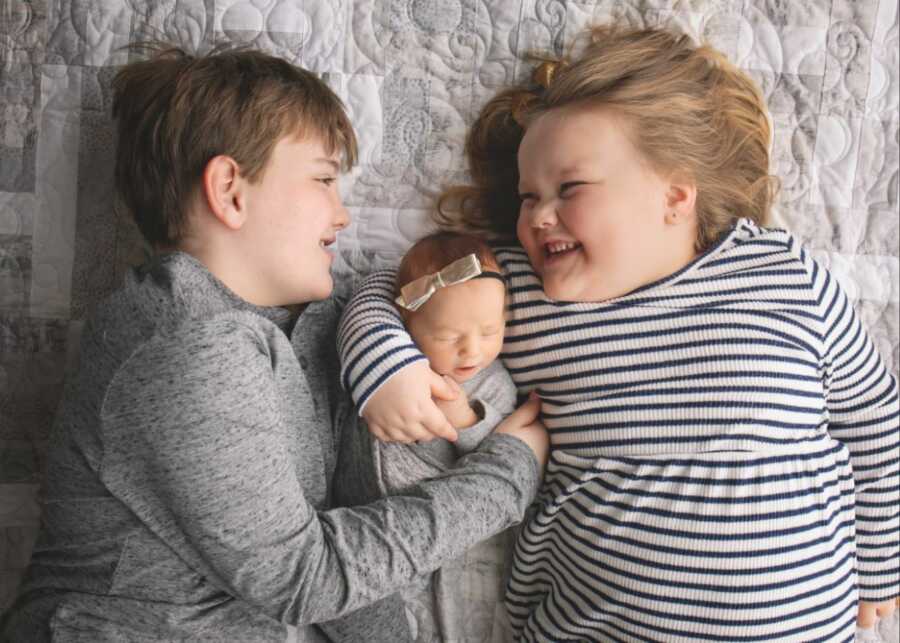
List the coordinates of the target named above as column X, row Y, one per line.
column 175, row 111
column 435, row 251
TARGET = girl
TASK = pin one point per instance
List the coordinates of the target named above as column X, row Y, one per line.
column 723, row 432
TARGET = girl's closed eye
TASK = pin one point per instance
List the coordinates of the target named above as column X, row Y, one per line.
column 567, row 189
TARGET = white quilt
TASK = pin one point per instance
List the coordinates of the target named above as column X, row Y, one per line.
column 413, row 74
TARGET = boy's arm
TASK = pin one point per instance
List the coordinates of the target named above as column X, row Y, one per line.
column 197, row 447
column 864, row 414
column 385, row 372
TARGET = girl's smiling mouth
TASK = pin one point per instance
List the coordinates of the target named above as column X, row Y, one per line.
column 559, row 249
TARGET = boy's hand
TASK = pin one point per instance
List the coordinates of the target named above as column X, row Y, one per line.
column 525, row 425
column 458, row 412
column 869, row 613
column 403, row 410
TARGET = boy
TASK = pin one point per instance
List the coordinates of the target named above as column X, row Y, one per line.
column 189, row 467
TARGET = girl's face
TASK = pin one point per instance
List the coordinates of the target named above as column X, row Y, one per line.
column 460, row 328
column 595, row 219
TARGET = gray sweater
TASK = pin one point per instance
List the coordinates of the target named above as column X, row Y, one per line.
column 188, row 482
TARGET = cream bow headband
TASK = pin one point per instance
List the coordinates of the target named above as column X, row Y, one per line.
column 414, row 294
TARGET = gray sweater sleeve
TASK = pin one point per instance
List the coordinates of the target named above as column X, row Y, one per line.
column 492, row 394
column 196, row 445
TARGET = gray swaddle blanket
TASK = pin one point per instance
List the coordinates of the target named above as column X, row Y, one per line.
column 459, row 602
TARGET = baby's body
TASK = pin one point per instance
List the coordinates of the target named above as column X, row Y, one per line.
column 369, row 469
column 459, row 328
column 463, row 600
column 492, row 395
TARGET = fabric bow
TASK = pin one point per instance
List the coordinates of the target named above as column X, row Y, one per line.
column 414, row 294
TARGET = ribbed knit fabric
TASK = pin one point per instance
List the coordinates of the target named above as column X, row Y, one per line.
column 724, row 460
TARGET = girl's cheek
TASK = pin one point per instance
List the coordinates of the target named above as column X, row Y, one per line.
column 521, row 230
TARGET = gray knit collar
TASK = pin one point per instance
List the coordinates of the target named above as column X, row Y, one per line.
column 193, row 277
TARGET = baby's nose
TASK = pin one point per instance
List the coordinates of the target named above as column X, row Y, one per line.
column 469, row 346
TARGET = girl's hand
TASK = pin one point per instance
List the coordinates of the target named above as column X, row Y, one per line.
column 403, row 410
column 525, row 425
column 869, row 613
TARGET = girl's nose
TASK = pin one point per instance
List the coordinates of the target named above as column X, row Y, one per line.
column 543, row 215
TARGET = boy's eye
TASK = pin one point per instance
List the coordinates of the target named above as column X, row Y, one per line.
column 327, row 180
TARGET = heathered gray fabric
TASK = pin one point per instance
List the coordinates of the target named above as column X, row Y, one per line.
column 370, row 469
column 400, row 466
column 188, row 479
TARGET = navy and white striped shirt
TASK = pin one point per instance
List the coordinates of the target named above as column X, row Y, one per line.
column 724, row 449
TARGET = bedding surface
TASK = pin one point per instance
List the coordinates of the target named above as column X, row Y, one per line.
column 413, row 74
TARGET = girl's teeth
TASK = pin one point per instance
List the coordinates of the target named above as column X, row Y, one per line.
column 553, row 248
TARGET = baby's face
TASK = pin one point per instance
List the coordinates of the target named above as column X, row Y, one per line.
column 460, row 329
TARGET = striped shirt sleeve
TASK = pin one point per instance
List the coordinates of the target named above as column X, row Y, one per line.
column 373, row 343
column 864, row 414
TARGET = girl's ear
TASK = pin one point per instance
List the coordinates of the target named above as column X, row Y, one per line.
column 223, row 189
column 681, row 201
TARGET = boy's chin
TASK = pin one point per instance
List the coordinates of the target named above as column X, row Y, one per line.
column 319, row 291
column 307, row 297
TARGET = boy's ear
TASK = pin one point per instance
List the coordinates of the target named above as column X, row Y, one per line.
column 681, row 200
column 223, row 190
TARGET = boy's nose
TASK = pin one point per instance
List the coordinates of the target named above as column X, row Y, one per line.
column 341, row 217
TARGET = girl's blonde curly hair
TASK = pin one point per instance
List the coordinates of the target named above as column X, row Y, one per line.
column 689, row 110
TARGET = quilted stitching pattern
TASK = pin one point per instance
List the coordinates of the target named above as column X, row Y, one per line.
column 413, row 74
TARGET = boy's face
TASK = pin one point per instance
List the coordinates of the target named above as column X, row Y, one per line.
column 460, row 329
column 294, row 213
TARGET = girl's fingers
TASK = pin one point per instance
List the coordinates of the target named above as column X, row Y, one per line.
column 442, row 387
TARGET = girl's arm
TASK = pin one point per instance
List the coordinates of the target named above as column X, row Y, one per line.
column 864, row 414
column 386, row 374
